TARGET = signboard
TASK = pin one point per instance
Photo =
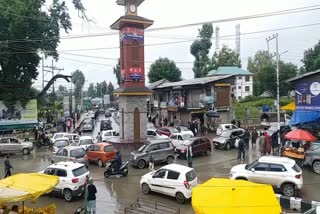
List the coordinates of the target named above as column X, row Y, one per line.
column 163, row 105
column 308, row 95
column 66, row 106
column 156, row 104
column 131, row 33
column 106, row 99
column 18, row 114
column 135, row 73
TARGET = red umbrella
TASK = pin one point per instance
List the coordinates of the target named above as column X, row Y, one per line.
column 300, row 134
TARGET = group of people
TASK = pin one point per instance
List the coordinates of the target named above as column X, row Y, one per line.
column 5, row 210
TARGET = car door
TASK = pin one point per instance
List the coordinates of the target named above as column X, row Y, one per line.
column 196, row 147
column 62, row 174
column 164, row 150
column 14, row 145
column 90, row 151
column 108, row 153
column 171, row 182
column 157, row 181
column 4, row 145
column 277, row 174
column 52, row 171
column 260, row 173
column 154, row 151
column 107, row 135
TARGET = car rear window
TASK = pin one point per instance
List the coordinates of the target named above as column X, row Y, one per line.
column 191, row 175
column 78, row 153
column 79, row 171
column 173, row 175
column 61, row 143
column 86, row 142
column 108, row 148
column 296, row 168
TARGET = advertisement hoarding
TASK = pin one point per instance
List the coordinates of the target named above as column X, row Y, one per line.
column 135, row 73
column 66, row 106
column 308, row 95
column 131, row 33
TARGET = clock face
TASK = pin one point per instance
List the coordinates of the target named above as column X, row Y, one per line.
column 132, row 8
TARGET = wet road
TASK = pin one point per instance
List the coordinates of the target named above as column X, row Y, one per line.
column 114, row 194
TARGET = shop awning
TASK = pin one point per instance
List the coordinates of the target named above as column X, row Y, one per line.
column 300, row 117
column 26, row 186
column 289, row 107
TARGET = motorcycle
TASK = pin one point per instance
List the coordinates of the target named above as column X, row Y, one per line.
column 122, row 171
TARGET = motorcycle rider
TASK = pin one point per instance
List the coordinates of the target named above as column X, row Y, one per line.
column 117, row 162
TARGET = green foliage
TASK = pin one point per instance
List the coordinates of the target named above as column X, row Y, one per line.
column 91, row 91
column 117, row 72
column 164, row 68
column 18, row 54
column 104, row 87
column 200, row 50
column 311, row 59
column 226, row 57
column 78, row 80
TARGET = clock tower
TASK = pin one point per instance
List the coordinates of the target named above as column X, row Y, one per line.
column 133, row 93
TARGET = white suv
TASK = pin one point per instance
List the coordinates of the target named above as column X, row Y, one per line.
column 73, row 178
column 173, row 180
column 279, row 172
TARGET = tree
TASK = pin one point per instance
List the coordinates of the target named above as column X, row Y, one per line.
column 104, row 88
column 91, row 91
column 98, row 90
column 164, row 68
column 20, row 50
column 226, row 57
column 200, row 50
column 78, row 80
column 110, row 90
column 117, row 72
column 311, row 59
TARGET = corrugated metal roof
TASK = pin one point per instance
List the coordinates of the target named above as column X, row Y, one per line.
column 303, row 75
column 197, row 81
column 157, row 83
column 229, row 70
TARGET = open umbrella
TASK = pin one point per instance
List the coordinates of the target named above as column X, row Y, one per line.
column 300, row 134
column 234, row 197
column 212, row 114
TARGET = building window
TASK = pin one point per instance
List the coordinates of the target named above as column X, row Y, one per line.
column 135, row 54
column 247, row 78
column 239, row 87
column 247, row 88
column 239, row 77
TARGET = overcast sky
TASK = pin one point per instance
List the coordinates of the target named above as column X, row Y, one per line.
column 178, row 12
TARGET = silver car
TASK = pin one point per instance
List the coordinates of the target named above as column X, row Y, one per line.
column 10, row 145
column 59, row 143
column 70, row 153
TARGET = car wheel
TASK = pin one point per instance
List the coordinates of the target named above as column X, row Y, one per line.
column 288, row 189
column 180, row 198
column 100, row 163
column 25, row 151
column 141, row 164
column 125, row 172
column 316, row 167
column 67, row 194
column 145, row 188
column 106, row 174
column 228, row 146
column 208, row 152
column 170, row 160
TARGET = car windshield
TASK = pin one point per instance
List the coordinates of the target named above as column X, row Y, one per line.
column 182, row 128
column 225, row 134
column 186, row 137
column 173, row 130
column 142, row 148
column 191, row 175
column 61, row 143
column 248, row 166
column 78, row 153
column 79, row 171
column 173, row 137
column 296, row 168
column 86, row 142
column 58, row 136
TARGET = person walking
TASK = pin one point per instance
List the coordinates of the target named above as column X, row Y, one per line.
column 275, row 145
column 99, row 137
column 262, row 144
column 268, row 143
column 254, row 137
column 90, row 197
column 246, row 138
column 7, row 167
column 189, row 156
column 241, row 150
column 151, row 163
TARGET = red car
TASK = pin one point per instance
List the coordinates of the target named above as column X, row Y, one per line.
column 100, row 153
column 168, row 131
column 199, row 145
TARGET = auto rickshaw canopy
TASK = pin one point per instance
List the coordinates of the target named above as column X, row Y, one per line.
column 234, row 197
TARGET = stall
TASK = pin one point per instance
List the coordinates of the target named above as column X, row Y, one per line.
column 27, row 187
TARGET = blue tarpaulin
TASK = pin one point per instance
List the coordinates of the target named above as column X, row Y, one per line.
column 300, row 117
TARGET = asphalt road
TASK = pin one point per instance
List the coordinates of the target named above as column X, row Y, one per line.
column 114, row 194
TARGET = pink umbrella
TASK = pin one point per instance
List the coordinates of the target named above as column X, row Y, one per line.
column 300, row 134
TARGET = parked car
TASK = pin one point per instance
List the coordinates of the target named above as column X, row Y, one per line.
column 106, row 125
column 224, row 127
column 280, row 172
column 59, row 143
column 88, row 125
column 14, row 145
column 73, row 179
column 168, row 131
column 57, row 135
column 184, row 130
column 109, row 134
column 199, row 145
column 85, row 142
column 73, row 138
column 70, row 153
column 100, row 153
column 179, row 138
column 101, row 111
column 153, row 134
column 161, row 150
column 108, row 113
column 312, row 157
column 227, row 139
column 173, row 180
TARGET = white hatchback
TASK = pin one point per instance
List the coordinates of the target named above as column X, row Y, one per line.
column 174, row 180
column 280, row 172
column 223, row 127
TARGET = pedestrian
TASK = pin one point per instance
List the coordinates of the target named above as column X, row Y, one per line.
column 90, row 197
column 7, row 167
column 262, row 144
column 99, row 137
column 189, row 155
column 74, row 123
column 246, row 138
column 233, row 122
column 239, row 124
column 241, row 151
column 275, row 144
column 14, row 209
column 151, row 163
column 268, row 143
column 254, row 136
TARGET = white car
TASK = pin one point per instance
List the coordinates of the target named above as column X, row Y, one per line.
column 109, row 134
column 59, row 143
column 73, row 138
column 280, row 172
column 58, row 135
column 223, row 127
column 85, row 142
column 178, row 139
column 174, row 180
column 73, row 178
column 185, row 130
column 153, row 134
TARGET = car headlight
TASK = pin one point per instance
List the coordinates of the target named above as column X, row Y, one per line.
column 135, row 157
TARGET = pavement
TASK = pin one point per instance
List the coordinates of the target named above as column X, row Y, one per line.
column 115, row 194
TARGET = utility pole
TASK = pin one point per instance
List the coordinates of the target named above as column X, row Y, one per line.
column 49, row 69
